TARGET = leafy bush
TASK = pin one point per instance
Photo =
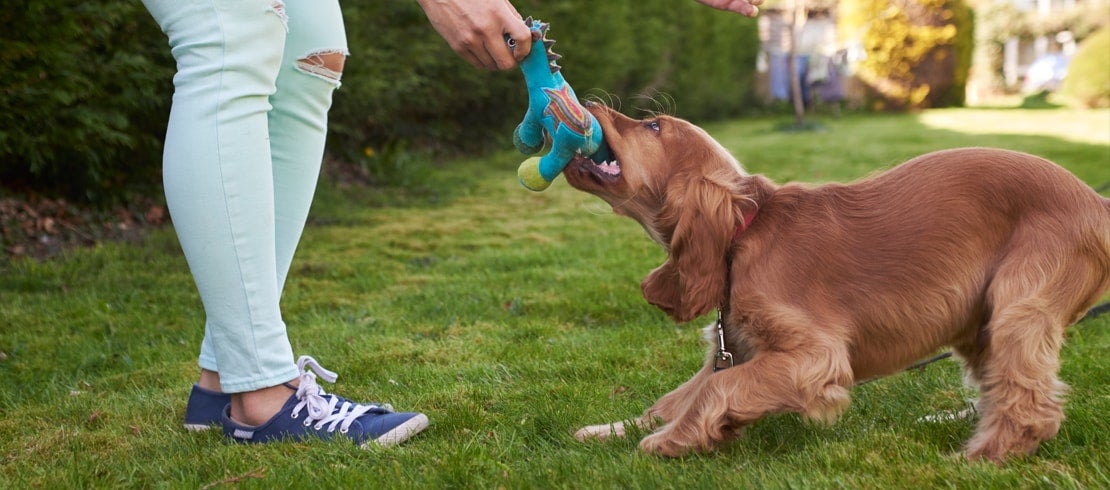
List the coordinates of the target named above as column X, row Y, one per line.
column 918, row 51
column 1088, row 80
column 85, row 90
column 86, row 86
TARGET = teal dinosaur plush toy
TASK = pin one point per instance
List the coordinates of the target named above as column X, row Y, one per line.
column 554, row 110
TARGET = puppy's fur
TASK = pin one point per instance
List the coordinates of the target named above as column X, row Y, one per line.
column 990, row 252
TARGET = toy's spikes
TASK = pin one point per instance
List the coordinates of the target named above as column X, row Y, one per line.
column 552, row 56
column 552, row 60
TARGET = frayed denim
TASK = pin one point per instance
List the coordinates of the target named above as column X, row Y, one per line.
column 242, row 155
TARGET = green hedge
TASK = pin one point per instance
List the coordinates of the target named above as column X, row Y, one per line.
column 84, row 88
column 86, row 85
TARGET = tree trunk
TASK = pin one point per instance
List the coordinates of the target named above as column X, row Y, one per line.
column 797, row 23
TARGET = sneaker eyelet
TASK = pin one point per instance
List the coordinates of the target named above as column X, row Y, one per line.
column 307, row 422
column 343, row 430
column 295, row 415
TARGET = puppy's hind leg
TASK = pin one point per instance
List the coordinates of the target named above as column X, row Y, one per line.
column 1020, row 400
column 1034, row 297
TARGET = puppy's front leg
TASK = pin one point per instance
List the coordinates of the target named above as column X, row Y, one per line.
column 602, row 432
column 733, row 398
column 665, row 410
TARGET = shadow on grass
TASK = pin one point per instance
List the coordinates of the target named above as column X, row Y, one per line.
column 1038, row 100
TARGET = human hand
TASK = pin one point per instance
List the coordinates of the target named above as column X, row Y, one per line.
column 742, row 7
column 476, row 30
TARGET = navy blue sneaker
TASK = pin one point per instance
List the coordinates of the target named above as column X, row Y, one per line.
column 312, row 413
column 204, row 409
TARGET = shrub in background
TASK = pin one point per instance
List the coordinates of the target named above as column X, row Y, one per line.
column 918, row 51
column 1088, row 79
column 85, row 89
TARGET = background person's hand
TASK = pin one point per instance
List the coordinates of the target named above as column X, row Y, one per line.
column 742, row 7
column 476, row 30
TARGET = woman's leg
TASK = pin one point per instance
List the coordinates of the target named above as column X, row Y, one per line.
column 315, row 51
column 247, row 140
column 218, row 177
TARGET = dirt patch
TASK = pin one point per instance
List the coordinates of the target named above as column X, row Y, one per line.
column 39, row 227
column 42, row 228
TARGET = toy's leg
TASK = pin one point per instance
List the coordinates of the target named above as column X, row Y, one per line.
column 565, row 144
column 528, row 136
column 537, row 173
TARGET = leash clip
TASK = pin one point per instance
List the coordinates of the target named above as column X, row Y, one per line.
column 723, row 358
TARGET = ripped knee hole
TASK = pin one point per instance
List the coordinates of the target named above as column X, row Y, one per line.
column 327, row 64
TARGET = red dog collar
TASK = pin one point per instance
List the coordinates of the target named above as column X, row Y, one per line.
column 741, row 227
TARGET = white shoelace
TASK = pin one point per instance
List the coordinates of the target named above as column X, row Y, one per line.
column 322, row 406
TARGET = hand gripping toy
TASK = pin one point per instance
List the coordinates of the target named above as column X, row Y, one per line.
column 554, row 110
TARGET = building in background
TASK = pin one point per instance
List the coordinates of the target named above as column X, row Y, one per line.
column 1032, row 56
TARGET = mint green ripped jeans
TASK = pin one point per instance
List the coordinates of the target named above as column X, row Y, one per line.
column 243, row 150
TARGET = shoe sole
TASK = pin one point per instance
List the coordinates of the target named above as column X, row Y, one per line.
column 200, row 427
column 402, row 432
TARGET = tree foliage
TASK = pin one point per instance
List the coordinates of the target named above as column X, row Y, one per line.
column 918, row 52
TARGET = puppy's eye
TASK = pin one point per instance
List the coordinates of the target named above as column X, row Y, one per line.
column 653, row 125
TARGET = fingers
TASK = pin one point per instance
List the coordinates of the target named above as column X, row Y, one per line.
column 522, row 37
column 476, row 30
column 743, row 7
column 493, row 50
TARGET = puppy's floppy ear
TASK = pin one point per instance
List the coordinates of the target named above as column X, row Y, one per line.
column 694, row 278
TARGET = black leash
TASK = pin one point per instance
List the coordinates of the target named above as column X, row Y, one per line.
column 1096, row 311
column 920, row 365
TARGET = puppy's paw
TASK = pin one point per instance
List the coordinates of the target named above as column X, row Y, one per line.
column 600, row 432
column 663, row 444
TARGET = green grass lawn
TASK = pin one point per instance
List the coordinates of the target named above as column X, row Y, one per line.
column 511, row 318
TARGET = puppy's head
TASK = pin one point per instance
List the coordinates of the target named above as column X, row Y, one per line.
column 647, row 158
column 684, row 189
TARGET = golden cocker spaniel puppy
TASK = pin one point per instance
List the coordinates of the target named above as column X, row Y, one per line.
column 991, row 252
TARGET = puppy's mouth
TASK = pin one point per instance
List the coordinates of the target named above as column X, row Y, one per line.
column 603, row 167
